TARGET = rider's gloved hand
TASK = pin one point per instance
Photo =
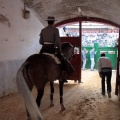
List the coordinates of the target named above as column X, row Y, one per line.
column 57, row 50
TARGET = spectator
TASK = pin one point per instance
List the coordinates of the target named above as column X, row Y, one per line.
column 105, row 70
column 92, row 55
column 84, row 59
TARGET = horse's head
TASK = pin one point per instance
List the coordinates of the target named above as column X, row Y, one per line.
column 67, row 50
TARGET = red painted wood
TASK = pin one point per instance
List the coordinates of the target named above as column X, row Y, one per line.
column 76, row 75
column 118, row 59
column 88, row 19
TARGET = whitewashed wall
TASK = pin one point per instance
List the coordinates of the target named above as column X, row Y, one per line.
column 19, row 38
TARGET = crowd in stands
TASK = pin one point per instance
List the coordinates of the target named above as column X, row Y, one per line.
column 104, row 39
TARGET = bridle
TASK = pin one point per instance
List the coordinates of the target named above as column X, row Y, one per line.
column 72, row 55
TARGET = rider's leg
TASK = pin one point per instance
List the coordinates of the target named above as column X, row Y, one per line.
column 66, row 67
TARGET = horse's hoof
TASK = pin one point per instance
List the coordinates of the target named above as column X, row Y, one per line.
column 51, row 105
column 62, row 108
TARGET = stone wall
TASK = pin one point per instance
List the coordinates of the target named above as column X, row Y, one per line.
column 19, row 38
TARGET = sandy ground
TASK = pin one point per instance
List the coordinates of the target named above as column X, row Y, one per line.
column 82, row 101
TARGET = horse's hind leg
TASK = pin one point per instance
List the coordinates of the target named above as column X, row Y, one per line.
column 51, row 93
column 39, row 95
column 61, row 83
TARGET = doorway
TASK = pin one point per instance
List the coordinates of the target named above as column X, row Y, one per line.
column 78, row 33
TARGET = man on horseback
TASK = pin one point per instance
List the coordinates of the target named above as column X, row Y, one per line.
column 50, row 41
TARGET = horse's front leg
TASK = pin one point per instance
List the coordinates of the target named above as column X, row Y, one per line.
column 51, row 93
column 61, row 83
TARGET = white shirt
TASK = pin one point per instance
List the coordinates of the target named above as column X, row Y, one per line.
column 104, row 62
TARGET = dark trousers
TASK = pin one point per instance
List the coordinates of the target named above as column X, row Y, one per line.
column 66, row 65
column 106, row 75
column 49, row 48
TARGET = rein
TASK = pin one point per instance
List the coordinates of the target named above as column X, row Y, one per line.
column 72, row 55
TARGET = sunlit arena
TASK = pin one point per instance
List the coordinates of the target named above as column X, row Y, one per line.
column 60, row 60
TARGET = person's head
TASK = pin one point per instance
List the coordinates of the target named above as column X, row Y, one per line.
column 84, row 49
column 102, row 54
column 51, row 20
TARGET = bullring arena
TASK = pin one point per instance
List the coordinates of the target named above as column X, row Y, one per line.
column 82, row 101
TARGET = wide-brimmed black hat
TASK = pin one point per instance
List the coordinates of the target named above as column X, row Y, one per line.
column 51, row 18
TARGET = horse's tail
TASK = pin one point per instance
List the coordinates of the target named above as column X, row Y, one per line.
column 27, row 96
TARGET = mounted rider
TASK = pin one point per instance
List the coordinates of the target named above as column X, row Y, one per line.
column 50, row 41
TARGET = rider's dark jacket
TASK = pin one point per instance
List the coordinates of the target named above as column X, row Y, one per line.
column 49, row 36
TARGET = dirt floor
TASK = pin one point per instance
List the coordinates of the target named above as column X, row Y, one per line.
column 82, row 101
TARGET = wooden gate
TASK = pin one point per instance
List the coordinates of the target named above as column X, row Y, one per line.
column 76, row 61
column 117, row 87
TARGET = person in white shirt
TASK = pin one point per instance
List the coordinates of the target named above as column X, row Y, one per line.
column 105, row 71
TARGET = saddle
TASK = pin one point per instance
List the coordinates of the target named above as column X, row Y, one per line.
column 63, row 73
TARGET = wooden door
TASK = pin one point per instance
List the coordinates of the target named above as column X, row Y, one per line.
column 76, row 61
column 118, row 67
